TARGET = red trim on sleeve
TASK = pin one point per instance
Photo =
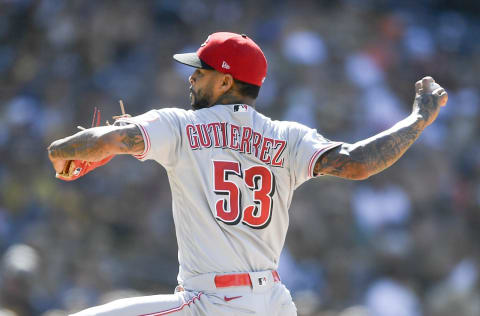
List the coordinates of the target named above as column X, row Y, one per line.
column 147, row 143
column 316, row 155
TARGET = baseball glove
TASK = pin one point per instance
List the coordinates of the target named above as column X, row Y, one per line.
column 75, row 169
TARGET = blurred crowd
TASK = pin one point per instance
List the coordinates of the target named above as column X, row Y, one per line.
column 402, row 243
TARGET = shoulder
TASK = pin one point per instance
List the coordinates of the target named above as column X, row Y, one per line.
column 169, row 114
column 171, row 111
column 293, row 128
column 288, row 129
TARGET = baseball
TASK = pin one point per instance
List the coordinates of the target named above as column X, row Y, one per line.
column 443, row 97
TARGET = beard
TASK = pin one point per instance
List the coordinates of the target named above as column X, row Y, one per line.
column 199, row 100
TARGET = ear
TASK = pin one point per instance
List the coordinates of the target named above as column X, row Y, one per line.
column 226, row 82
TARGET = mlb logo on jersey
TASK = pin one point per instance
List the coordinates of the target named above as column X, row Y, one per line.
column 262, row 281
column 240, row 108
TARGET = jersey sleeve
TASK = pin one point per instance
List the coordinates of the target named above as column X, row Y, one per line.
column 309, row 147
column 161, row 134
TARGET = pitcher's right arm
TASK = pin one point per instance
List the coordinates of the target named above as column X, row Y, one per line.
column 95, row 144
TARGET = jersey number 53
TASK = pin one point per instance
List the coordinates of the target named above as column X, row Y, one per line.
column 229, row 210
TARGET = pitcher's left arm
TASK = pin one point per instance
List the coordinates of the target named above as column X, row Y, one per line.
column 367, row 157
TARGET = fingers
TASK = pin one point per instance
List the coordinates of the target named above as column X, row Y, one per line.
column 425, row 85
column 418, row 86
column 94, row 116
column 122, row 108
column 442, row 96
column 59, row 165
column 67, row 169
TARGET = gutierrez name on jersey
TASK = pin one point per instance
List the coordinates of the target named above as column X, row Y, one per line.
column 240, row 138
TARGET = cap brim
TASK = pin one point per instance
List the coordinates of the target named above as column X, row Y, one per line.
column 191, row 59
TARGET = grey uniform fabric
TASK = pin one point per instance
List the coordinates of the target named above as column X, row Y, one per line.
column 232, row 173
column 207, row 151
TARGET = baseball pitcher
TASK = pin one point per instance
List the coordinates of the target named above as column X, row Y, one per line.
column 232, row 173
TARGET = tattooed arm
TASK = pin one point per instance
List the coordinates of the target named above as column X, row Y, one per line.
column 367, row 157
column 95, row 144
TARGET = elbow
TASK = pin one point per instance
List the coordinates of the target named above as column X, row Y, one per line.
column 53, row 149
column 359, row 168
column 362, row 177
column 50, row 151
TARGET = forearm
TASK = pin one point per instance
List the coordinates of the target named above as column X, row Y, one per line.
column 89, row 145
column 97, row 143
column 372, row 155
column 382, row 150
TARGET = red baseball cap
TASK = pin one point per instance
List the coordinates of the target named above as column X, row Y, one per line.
column 229, row 53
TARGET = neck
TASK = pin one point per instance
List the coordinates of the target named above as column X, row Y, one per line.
column 228, row 98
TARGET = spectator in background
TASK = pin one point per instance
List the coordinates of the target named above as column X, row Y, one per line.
column 58, row 59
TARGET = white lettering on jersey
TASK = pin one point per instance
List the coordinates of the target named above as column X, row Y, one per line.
column 215, row 127
column 264, row 156
column 280, row 146
column 245, row 145
column 223, row 127
column 261, row 182
column 257, row 139
column 239, row 138
column 234, row 137
column 204, row 136
column 192, row 136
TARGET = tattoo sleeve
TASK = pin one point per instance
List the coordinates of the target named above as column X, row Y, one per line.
column 372, row 155
column 97, row 143
column 131, row 140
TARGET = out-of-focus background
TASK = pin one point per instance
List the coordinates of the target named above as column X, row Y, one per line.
column 402, row 243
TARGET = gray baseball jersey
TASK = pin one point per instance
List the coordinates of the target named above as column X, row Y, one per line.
column 232, row 173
